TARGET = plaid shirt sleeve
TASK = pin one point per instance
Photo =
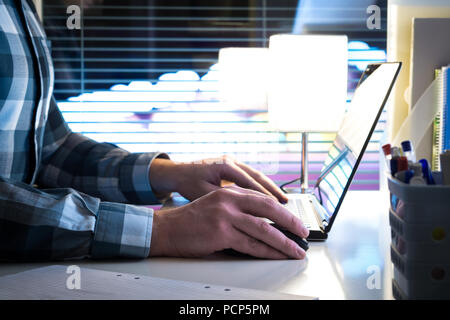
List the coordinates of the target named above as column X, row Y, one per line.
column 98, row 169
column 82, row 211
column 63, row 223
column 57, row 224
column 83, row 225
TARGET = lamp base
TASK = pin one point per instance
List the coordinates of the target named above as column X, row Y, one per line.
column 304, row 185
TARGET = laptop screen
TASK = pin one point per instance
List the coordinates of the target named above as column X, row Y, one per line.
column 353, row 136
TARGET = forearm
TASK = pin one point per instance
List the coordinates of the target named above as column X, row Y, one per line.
column 71, row 160
column 63, row 224
column 165, row 176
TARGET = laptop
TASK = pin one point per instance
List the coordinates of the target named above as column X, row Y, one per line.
column 318, row 208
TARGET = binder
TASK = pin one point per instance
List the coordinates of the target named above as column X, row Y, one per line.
column 445, row 109
column 437, row 126
column 441, row 125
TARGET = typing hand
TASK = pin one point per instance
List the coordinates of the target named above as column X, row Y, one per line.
column 195, row 179
column 223, row 219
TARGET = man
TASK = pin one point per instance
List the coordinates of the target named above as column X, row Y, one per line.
column 65, row 196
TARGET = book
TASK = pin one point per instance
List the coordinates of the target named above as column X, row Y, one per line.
column 430, row 50
column 441, row 125
column 436, row 146
column 445, row 127
column 435, row 163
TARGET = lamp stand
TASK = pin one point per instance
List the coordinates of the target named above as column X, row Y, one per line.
column 304, row 165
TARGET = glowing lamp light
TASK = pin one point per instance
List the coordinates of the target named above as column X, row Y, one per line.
column 243, row 78
column 308, row 88
column 308, row 85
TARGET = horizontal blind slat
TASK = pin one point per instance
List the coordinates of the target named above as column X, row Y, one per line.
column 140, row 40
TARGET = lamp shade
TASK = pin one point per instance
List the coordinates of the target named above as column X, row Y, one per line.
column 243, row 77
column 308, row 82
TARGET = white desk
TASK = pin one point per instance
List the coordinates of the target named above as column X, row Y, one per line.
column 335, row 269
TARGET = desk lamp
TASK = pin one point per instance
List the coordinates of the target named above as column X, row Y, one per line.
column 243, row 78
column 307, row 86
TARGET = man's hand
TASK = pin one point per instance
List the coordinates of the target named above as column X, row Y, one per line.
column 227, row 218
column 193, row 180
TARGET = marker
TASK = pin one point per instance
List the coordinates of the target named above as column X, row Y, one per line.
column 394, row 166
column 417, row 181
column 396, row 152
column 417, row 168
column 426, row 171
column 387, row 153
column 402, row 164
column 408, row 150
column 405, row 176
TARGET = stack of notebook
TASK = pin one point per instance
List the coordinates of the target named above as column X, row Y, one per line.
column 441, row 127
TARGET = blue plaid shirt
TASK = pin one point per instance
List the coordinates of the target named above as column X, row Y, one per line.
column 55, row 184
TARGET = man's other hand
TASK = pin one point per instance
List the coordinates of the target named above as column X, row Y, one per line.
column 227, row 218
column 195, row 179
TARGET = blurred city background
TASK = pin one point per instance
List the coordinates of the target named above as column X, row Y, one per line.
column 143, row 75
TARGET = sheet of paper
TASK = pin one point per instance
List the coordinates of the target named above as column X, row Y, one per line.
column 400, row 18
column 418, row 125
column 56, row 283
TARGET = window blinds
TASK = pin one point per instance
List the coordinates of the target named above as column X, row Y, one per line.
column 140, row 74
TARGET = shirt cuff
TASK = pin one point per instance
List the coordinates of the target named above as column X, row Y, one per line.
column 141, row 178
column 122, row 231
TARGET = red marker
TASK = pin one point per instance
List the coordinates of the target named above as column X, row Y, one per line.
column 387, row 150
column 402, row 164
column 387, row 154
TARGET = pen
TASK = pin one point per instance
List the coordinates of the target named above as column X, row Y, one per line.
column 402, row 164
column 405, row 176
column 417, row 179
column 394, row 166
column 426, row 171
column 398, row 165
column 416, row 168
column 396, row 152
column 387, row 150
column 408, row 150
column 387, row 153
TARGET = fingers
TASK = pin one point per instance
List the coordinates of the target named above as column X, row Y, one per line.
column 251, row 246
column 234, row 173
column 263, row 231
column 261, row 206
column 264, row 181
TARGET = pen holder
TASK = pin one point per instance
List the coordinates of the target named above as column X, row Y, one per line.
column 419, row 217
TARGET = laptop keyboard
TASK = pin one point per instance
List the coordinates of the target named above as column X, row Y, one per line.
column 296, row 207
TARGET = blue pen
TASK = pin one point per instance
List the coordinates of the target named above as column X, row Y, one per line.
column 408, row 150
column 394, row 166
column 426, row 171
column 405, row 176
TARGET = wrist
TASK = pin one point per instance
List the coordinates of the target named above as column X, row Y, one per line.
column 162, row 228
column 156, row 243
column 163, row 176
